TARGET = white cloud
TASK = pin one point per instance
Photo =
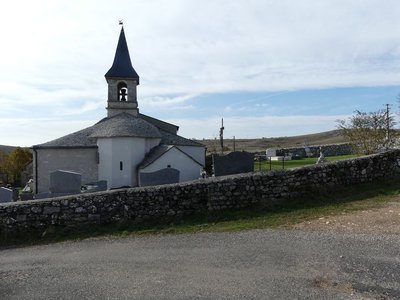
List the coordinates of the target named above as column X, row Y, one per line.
column 167, row 103
column 55, row 53
column 27, row 132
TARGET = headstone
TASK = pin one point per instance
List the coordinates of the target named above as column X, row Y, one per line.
column 65, row 182
column 233, row 163
column 308, row 151
column 96, row 186
column 321, row 158
column 6, row 195
column 270, row 152
column 163, row 176
column 28, row 187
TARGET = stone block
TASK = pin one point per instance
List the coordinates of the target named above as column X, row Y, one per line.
column 233, row 163
column 65, row 182
column 6, row 195
column 163, row 176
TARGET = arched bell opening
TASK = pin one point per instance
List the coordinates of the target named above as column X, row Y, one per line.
column 122, row 92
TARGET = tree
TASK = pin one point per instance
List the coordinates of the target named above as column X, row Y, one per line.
column 3, row 170
column 369, row 132
column 16, row 162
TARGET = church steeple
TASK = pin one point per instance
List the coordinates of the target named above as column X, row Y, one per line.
column 122, row 65
column 122, row 80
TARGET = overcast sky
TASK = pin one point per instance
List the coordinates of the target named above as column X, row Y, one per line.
column 269, row 68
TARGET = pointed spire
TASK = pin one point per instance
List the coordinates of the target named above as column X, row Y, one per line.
column 122, row 66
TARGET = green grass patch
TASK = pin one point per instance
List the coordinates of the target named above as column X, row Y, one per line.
column 286, row 214
column 279, row 165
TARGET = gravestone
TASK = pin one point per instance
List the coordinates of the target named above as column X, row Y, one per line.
column 321, row 158
column 96, row 186
column 6, row 195
column 65, row 182
column 270, row 152
column 163, row 176
column 308, row 152
column 233, row 163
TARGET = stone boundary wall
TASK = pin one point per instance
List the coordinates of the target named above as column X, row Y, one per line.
column 175, row 200
column 327, row 150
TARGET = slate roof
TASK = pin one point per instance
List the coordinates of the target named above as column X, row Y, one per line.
column 174, row 139
column 168, row 127
column 159, row 151
column 120, row 125
column 79, row 139
column 122, row 65
column 125, row 125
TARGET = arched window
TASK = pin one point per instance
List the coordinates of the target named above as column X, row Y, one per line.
column 122, row 92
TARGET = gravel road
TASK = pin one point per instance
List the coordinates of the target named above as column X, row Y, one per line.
column 257, row 264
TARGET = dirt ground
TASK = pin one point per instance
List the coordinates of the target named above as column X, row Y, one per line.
column 379, row 220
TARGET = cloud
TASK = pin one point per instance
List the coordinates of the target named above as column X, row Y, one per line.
column 27, row 132
column 167, row 102
column 55, row 54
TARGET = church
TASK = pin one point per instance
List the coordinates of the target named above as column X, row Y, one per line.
column 126, row 148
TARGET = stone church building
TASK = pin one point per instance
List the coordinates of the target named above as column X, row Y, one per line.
column 124, row 147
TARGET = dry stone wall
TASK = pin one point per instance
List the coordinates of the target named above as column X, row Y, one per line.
column 327, row 150
column 176, row 200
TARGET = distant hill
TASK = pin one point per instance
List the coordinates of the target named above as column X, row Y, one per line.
column 255, row 145
column 7, row 149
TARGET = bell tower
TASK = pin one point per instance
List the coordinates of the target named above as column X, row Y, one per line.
column 122, row 81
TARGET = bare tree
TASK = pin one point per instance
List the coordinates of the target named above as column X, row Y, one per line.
column 369, row 132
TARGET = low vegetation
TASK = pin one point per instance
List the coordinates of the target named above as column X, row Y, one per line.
column 354, row 198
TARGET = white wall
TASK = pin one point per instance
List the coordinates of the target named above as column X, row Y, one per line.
column 189, row 170
column 151, row 143
column 198, row 153
column 83, row 161
column 128, row 150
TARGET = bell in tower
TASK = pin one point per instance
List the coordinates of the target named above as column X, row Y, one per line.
column 122, row 91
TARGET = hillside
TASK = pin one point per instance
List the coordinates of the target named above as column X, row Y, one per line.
column 6, row 149
column 254, row 145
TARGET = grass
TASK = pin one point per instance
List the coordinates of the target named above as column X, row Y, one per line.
column 278, row 165
column 349, row 199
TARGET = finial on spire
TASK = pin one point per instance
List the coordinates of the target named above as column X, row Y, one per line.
column 121, row 22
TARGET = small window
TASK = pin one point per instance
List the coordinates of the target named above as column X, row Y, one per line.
column 121, row 165
column 169, row 166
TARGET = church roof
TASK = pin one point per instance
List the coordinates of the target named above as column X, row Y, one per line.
column 159, row 151
column 125, row 125
column 121, row 125
column 122, row 65
column 174, row 139
column 79, row 139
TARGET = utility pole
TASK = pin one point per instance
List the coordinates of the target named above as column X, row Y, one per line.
column 221, row 135
column 234, row 145
column 387, row 121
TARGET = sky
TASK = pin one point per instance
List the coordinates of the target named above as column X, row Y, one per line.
column 268, row 67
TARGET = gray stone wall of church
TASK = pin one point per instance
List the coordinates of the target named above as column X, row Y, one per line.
column 161, row 203
column 83, row 161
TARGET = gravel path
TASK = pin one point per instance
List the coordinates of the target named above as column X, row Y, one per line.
column 257, row 264
column 384, row 220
